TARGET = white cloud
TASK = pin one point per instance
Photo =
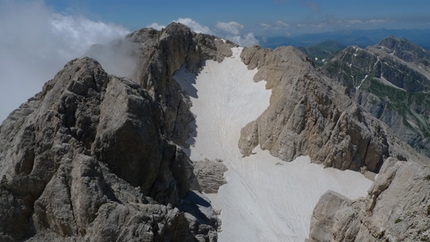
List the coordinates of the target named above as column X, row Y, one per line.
column 80, row 33
column 194, row 26
column 231, row 31
column 156, row 26
column 244, row 40
column 354, row 21
column 378, row 21
column 231, row 28
column 36, row 43
column 282, row 24
column 265, row 26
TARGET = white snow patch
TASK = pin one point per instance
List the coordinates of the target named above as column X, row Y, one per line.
column 377, row 60
column 387, row 83
column 412, row 123
column 265, row 199
column 361, row 83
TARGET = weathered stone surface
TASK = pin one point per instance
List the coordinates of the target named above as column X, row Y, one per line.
column 210, row 175
column 310, row 115
column 160, row 55
column 87, row 160
column 397, row 208
column 390, row 80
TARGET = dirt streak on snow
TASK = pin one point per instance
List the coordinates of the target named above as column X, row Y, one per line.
column 265, row 199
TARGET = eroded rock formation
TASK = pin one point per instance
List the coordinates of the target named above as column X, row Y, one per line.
column 95, row 157
column 391, row 81
column 397, row 208
column 311, row 115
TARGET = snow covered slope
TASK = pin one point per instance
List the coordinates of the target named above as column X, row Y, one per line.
column 265, row 199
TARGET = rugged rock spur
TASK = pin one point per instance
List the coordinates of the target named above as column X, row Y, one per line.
column 97, row 157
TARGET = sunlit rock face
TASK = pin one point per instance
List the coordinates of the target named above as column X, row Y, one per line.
column 390, row 80
column 396, row 208
column 92, row 156
column 201, row 141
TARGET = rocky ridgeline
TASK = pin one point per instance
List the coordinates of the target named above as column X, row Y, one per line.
column 390, row 80
column 160, row 55
column 397, row 208
column 95, row 157
column 311, row 115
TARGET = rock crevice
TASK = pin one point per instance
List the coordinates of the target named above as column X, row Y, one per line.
column 310, row 115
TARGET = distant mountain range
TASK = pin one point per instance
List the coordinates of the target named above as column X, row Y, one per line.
column 361, row 38
column 322, row 52
column 391, row 80
column 100, row 157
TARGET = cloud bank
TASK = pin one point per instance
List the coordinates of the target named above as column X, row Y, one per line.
column 35, row 43
column 232, row 31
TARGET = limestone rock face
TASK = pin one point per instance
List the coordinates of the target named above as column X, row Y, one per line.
column 210, row 175
column 160, row 55
column 95, row 157
column 397, row 208
column 86, row 159
column 311, row 115
column 391, row 80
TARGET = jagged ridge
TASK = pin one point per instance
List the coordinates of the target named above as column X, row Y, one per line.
column 391, row 80
column 91, row 157
column 96, row 157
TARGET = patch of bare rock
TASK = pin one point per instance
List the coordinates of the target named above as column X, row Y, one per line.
column 397, row 208
column 309, row 114
column 95, row 157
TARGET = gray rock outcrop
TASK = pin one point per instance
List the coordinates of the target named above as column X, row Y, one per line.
column 95, row 157
column 160, row 54
column 397, row 208
column 390, row 80
column 210, row 175
column 309, row 114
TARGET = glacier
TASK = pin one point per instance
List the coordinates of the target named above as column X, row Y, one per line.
column 265, row 198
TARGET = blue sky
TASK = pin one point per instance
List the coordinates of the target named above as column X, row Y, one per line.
column 38, row 37
column 262, row 17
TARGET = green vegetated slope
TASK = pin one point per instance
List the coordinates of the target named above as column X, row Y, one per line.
column 321, row 53
column 392, row 81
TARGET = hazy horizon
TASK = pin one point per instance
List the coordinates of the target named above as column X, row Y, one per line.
column 39, row 37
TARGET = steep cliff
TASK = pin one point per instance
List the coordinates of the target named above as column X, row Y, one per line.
column 95, row 157
column 160, row 55
column 309, row 114
column 390, row 80
column 397, row 208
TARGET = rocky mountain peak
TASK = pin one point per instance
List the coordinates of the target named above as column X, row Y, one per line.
column 97, row 157
column 306, row 108
column 390, row 42
column 93, row 156
column 390, row 80
column 405, row 50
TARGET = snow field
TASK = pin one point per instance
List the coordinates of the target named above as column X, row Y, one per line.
column 265, row 199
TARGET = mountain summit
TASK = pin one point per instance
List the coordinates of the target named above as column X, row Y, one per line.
column 391, row 80
column 206, row 141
